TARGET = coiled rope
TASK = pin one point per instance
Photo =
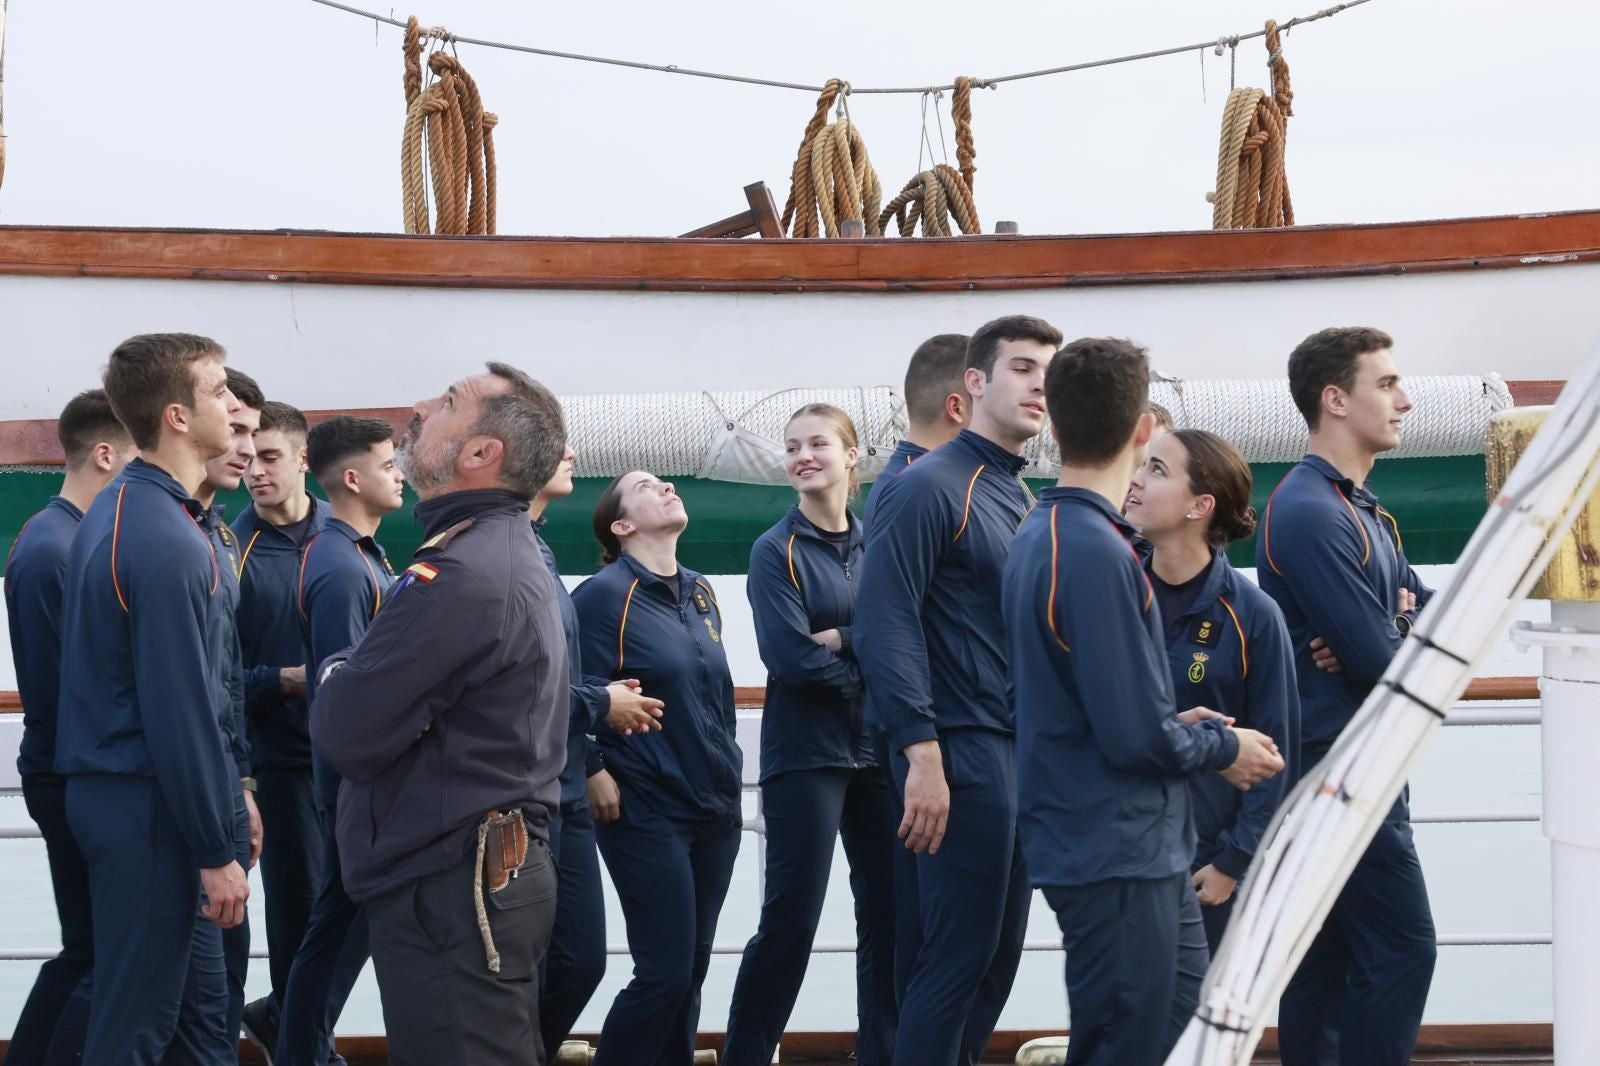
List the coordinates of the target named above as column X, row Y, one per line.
column 1252, row 188
column 832, row 177
column 941, row 193
column 449, row 115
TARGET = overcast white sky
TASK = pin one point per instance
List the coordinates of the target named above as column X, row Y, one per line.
column 288, row 114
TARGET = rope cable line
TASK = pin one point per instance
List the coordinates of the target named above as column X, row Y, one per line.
column 980, row 83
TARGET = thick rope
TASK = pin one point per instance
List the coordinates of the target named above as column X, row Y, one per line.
column 460, row 165
column 961, row 112
column 837, row 182
column 1252, row 189
column 932, row 199
column 802, row 193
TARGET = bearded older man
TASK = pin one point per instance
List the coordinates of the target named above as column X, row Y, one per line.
column 454, row 704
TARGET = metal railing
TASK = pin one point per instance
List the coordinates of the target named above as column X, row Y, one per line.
column 1460, row 716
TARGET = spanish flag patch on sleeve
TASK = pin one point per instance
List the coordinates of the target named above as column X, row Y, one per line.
column 422, row 572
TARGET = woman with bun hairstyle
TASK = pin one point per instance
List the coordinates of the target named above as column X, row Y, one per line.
column 671, row 843
column 819, row 778
column 1227, row 643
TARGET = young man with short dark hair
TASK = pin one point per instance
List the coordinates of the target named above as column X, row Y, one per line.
column 272, row 532
column 1105, row 757
column 929, row 638
column 151, row 789
column 96, row 447
column 1331, row 557
column 937, row 405
column 344, row 577
column 223, row 474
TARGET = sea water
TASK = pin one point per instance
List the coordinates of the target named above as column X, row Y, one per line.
column 1483, row 878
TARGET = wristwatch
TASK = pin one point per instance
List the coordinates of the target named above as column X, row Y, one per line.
column 1402, row 625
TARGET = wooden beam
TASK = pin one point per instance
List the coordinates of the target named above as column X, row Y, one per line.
column 768, row 222
column 1527, row 1041
column 1007, row 263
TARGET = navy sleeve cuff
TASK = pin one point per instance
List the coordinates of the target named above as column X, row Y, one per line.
column 211, row 858
column 1228, row 750
column 1232, row 862
column 923, row 729
column 846, row 645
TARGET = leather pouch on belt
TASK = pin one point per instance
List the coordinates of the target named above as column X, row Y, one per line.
column 505, row 850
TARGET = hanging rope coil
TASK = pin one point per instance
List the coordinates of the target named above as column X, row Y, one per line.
column 1252, row 188
column 942, row 193
column 932, row 198
column 833, row 177
column 449, row 116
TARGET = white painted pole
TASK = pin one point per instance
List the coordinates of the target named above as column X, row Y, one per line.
column 1570, row 697
column 3, row 91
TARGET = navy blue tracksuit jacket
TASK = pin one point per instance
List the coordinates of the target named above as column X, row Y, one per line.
column 929, row 635
column 590, row 701
column 1104, row 762
column 269, row 635
column 35, row 574
column 905, row 453
column 814, row 711
column 343, row 580
column 142, row 588
column 1229, row 650
column 667, row 633
column 1332, row 559
column 929, row 628
column 226, row 545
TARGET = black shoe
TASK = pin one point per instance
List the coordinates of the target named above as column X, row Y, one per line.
column 260, row 1025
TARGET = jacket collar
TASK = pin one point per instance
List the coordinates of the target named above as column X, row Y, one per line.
column 1058, row 494
column 989, row 453
column 1218, row 582
column 646, row 576
column 910, row 450
column 802, row 526
column 442, row 512
column 1361, row 493
column 66, row 506
column 346, row 530
column 150, row 474
column 319, row 509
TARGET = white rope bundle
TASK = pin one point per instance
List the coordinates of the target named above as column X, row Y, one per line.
column 738, row 436
column 1323, row 828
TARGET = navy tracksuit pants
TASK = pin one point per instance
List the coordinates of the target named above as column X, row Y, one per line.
column 160, row 982
column 972, row 899
column 236, row 941
column 805, row 810
column 575, row 962
column 1358, row 996
column 1136, row 954
column 291, row 865
column 671, row 877
column 326, row 966
column 51, row 1027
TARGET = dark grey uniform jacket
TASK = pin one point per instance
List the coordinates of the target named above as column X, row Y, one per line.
column 455, row 701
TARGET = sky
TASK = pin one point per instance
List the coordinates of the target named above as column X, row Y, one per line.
column 286, row 114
